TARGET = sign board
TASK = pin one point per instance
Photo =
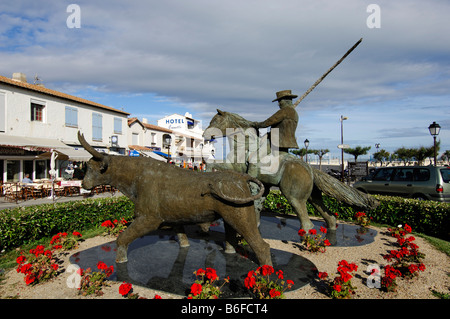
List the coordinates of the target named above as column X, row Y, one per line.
column 133, row 153
column 344, row 146
column 358, row 169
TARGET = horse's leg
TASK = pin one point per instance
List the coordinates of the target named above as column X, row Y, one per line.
column 296, row 185
column 317, row 201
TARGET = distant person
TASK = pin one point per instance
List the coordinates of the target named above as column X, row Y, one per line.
column 27, row 179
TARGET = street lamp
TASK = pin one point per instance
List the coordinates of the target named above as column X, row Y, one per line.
column 306, row 142
column 167, row 141
column 343, row 118
column 434, row 129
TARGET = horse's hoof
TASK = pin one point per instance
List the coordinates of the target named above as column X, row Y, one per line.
column 121, row 255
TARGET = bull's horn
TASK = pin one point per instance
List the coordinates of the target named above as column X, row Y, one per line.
column 89, row 148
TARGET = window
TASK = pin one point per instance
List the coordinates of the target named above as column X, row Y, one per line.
column 421, row 175
column 135, row 139
column 12, row 170
column 383, row 174
column 2, row 114
column 117, row 125
column 41, row 169
column 71, row 116
column 445, row 173
column 96, row 127
column 404, row 175
column 37, row 112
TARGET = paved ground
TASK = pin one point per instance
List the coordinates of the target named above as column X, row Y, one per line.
column 4, row 204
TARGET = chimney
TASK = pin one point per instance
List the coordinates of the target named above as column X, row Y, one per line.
column 144, row 120
column 20, row 77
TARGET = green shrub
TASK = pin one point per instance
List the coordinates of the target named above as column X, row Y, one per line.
column 21, row 225
column 427, row 217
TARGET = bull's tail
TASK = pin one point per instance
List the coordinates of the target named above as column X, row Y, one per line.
column 220, row 191
column 332, row 187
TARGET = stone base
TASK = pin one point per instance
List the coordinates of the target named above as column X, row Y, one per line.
column 156, row 261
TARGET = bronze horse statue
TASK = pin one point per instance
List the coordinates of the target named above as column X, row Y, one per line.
column 297, row 180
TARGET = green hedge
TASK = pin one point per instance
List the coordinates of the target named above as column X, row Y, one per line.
column 21, row 225
column 427, row 217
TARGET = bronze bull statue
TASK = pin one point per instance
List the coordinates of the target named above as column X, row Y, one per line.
column 164, row 194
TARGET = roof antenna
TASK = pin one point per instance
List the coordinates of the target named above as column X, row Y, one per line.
column 37, row 81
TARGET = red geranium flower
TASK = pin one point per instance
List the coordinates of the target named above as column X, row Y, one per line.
column 323, row 275
column 301, row 232
column 211, row 274
column 196, row 289
column 274, row 293
column 125, row 288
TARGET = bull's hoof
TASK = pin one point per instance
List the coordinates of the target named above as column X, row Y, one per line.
column 229, row 249
column 183, row 240
column 184, row 245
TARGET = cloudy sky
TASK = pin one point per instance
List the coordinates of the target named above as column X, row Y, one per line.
column 154, row 58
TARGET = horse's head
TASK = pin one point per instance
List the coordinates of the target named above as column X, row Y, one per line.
column 223, row 121
column 217, row 127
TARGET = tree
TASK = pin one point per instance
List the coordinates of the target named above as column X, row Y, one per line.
column 404, row 154
column 419, row 154
column 300, row 153
column 381, row 156
column 357, row 151
column 320, row 153
column 446, row 156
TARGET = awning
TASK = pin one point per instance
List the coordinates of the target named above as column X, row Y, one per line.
column 31, row 143
column 162, row 154
column 72, row 154
column 154, row 156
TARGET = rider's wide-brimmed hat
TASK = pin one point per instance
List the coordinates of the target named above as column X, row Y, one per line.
column 285, row 94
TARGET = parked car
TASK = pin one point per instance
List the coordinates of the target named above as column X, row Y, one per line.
column 420, row 182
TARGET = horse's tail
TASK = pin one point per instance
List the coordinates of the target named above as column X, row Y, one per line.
column 332, row 187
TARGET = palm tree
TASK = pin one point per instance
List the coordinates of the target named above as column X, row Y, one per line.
column 381, row 156
column 320, row 153
column 357, row 151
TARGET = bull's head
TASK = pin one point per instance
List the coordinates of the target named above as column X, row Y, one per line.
column 97, row 166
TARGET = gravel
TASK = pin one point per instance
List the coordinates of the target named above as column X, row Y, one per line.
column 435, row 277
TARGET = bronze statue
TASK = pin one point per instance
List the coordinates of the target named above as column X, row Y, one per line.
column 285, row 120
column 297, row 180
column 164, row 194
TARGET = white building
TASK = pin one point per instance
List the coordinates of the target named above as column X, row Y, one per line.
column 147, row 139
column 188, row 145
column 35, row 119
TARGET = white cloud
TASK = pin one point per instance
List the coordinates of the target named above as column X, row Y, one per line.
column 235, row 55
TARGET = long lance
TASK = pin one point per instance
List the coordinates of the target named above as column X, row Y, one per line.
column 326, row 73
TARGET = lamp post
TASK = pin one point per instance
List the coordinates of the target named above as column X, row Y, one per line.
column 434, row 129
column 343, row 118
column 306, row 142
column 167, row 141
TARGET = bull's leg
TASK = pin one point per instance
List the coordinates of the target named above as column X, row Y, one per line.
column 243, row 220
column 139, row 227
column 182, row 237
column 230, row 239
